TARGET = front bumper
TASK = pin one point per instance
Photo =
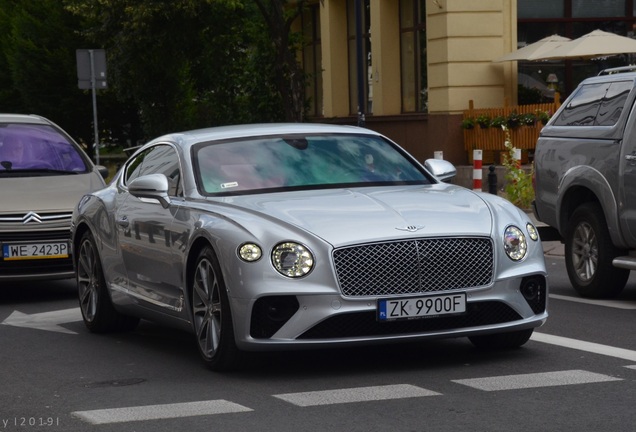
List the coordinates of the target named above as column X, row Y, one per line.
column 291, row 322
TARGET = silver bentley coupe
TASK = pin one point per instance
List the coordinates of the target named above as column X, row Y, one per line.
column 298, row 236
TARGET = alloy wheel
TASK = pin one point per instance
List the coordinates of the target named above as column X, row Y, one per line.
column 206, row 306
column 88, row 280
column 585, row 251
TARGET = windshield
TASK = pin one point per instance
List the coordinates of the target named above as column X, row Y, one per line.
column 297, row 162
column 31, row 147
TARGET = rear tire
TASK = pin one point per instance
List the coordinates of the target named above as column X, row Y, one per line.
column 589, row 253
column 507, row 340
column 98, row 311
column 211, row 314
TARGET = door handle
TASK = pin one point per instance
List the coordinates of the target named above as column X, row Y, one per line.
column 123, row 222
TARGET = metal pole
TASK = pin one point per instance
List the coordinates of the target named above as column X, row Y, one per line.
column 492, row 180
column 360, row 62
column 93, row 87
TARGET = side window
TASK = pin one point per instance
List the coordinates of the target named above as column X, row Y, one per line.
column 584, row 106
column 162, row 159
column 613, row 103
column 133, row 169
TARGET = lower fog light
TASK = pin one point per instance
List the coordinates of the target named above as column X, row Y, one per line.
column 533, row 289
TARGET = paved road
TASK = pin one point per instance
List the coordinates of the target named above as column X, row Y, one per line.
column 577, row 373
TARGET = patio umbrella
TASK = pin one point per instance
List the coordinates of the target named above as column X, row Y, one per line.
column 595, row 44
column 530, row 52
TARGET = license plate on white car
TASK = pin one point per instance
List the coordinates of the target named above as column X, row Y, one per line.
column 421, row 307
column 24, row 251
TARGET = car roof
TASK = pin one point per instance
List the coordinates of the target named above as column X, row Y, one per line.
column 261, row 129
column 23, row 118
column 622, row 76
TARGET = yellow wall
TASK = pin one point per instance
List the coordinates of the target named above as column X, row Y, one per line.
column 463, row 38
column 335, row 77
column 385, row 52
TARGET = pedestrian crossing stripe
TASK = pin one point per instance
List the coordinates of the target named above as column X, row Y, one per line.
column 534, row 380
column 592, row 347
column 158, row 412
column 358, row 394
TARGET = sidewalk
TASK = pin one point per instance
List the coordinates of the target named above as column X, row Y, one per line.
column 550, row 248
column 553, row 248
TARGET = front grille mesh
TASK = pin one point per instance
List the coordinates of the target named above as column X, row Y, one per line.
column 414, row 266
column 34, row 222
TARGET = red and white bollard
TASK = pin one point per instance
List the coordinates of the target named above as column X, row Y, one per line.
column 477, row 172
column 518, row 158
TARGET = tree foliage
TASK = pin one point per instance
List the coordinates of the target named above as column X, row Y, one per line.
column 38, row 64
column 289, row 77
column 171, row 65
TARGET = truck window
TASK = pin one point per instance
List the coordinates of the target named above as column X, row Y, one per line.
column 613, row 103
column 583, row 107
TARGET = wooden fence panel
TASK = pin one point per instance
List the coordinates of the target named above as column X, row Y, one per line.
column 493, row 137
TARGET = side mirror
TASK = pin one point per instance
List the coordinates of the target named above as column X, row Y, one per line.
column 103, row 171
column 442, row 169
column 151, row 186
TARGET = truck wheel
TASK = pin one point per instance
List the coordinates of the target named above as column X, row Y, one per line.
column 589, row 253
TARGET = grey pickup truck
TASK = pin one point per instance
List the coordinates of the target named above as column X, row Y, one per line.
column 585, row 181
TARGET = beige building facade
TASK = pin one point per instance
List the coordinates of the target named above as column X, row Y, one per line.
column 454, row 40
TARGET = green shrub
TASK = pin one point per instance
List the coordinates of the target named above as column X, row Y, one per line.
column 518, row 187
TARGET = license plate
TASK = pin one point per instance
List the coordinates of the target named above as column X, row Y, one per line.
column 24, row 251
column 421, row 307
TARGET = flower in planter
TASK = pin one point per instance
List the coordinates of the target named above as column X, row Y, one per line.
column 528, row 119
column 543, row 116
column 483, row 121
column 498, row 121
column 513, row 120
column 468, row 123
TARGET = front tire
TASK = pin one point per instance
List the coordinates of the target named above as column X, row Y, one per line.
column 589, row 253
column 211, row 315
column 98, row 311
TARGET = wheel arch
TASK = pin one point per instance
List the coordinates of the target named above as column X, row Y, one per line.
column 584, row 184
column 195, row 249
column 191, row 261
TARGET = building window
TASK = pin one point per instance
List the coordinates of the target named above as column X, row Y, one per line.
column 366, row 57
column 540, row 8
column 594, row 8
column 312, row 60
column 413, row 55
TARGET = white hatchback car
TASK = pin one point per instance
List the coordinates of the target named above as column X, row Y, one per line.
column 43, row 174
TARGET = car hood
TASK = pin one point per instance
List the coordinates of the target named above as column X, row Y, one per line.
column 45, row 193
column 343, row 216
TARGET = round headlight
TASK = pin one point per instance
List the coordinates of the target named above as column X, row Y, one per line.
column 532, row 231
column 515, row 243
column 292, row 259
column 250, row 252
